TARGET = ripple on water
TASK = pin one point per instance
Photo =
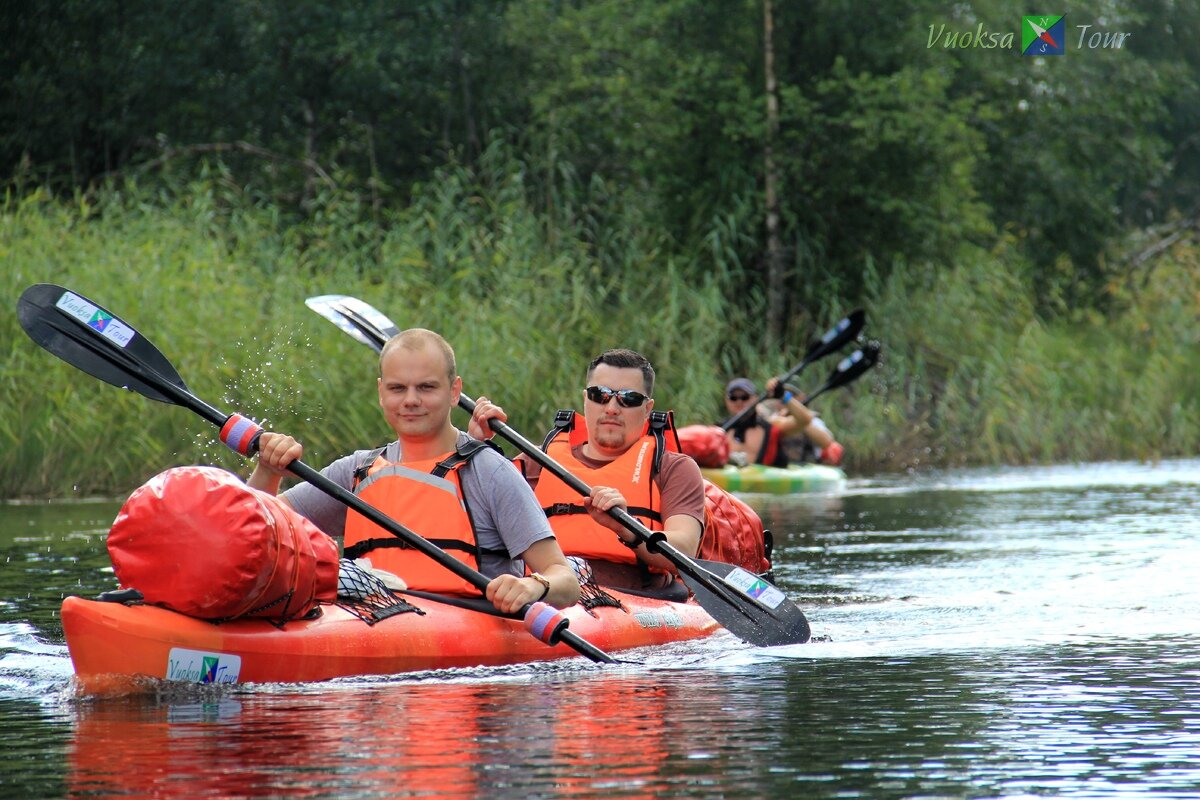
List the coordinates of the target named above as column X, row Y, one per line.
column 30, row 667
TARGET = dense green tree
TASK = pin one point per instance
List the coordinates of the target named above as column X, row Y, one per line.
column 892, row 148
column 670, row 98
column 87, row 85
column 1070, row 143
column 381, row 90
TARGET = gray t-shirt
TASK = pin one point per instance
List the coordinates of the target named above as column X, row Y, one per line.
column 506, row 514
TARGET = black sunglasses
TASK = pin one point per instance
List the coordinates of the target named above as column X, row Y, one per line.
column 738, row 397
column 626, row 398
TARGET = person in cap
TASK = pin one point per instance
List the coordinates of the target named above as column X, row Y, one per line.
column 778, row 431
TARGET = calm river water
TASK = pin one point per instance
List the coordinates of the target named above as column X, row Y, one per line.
column 999, row 633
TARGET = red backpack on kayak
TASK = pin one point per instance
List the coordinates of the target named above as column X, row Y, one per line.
column 199, row 541
column 705, row 443
column 733, row 532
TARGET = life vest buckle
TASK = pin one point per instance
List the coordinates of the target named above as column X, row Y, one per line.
column 560, row 508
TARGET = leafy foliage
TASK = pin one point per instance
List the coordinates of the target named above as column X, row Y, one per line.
column 542, row 180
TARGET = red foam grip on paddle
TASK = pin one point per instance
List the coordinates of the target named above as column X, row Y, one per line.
column 545, row 622
column 239, row 433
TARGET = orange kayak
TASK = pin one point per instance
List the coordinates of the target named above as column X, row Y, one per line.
column 111, row 643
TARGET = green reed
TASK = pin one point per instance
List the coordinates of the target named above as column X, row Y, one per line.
column 528, row 290
column 974, row 376
column 217, row 282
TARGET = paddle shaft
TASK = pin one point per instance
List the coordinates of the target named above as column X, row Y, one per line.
column 417, row 542
column 84, row 336
column 737, row 418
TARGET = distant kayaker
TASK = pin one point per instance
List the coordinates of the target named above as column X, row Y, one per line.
column 458, row 492
column 788, row 433
column 614, row 449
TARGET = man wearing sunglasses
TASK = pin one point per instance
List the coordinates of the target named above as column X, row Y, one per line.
column 777, row 437
column 630, row 459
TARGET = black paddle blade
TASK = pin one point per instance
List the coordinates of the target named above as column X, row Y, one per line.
column 359, row 319
column 836, row 337
column 850, row 369
column 756, row 611
column 93, row 339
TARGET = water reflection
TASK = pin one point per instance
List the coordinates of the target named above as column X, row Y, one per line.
column 577, row 736
column 50, row 550
column 983, row 634
column 1055, row 720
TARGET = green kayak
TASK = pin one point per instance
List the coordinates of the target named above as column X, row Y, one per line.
column 794, row 479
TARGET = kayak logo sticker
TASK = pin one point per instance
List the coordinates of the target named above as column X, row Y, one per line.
column 95, row 318
column 1043, row 35
column 196, row 666
column 755, row 587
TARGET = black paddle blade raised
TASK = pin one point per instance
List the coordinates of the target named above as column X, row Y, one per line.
column 850, row 369
column 831, row 341
column 91, row 338
column 361, row 320
column 761, row 614
column 836, row 337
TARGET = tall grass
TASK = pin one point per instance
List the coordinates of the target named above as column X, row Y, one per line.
column 217, row 282
column 972, row 375
column 528, row 291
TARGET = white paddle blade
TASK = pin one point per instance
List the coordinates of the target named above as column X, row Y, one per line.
column 360, row 320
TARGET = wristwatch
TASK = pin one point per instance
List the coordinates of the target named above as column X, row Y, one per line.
column 544, row 581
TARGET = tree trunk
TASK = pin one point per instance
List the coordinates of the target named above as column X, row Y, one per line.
column 309, row 193
column 774, row 255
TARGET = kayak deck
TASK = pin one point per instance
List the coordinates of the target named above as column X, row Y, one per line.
column 109, row 640
column 793, row 479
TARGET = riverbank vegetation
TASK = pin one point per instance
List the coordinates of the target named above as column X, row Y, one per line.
column 712, row 184
column 972, row 373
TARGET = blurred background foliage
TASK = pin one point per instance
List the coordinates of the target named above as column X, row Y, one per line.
column 539, row 181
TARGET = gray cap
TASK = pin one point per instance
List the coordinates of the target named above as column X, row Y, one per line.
column 745, row 384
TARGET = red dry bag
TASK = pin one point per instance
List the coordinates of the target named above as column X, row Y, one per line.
column 199, row 541
column 733, row 531
column 705, row 443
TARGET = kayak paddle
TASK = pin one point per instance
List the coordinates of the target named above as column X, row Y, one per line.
column 849, row 369
column 95, row 340
column 744, row 603
column 833, row 340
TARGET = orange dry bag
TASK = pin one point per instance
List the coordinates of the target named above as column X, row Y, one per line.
column 199, row 541
column 705, row 443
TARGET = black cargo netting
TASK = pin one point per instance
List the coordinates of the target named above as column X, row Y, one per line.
column 590, row 594
column 366, row 596
column 279, row 620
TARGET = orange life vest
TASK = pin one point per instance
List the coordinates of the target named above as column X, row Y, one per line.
column 632, row 474
column 426, row 497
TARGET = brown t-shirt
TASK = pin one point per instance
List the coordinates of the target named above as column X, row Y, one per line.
column 679, row 482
